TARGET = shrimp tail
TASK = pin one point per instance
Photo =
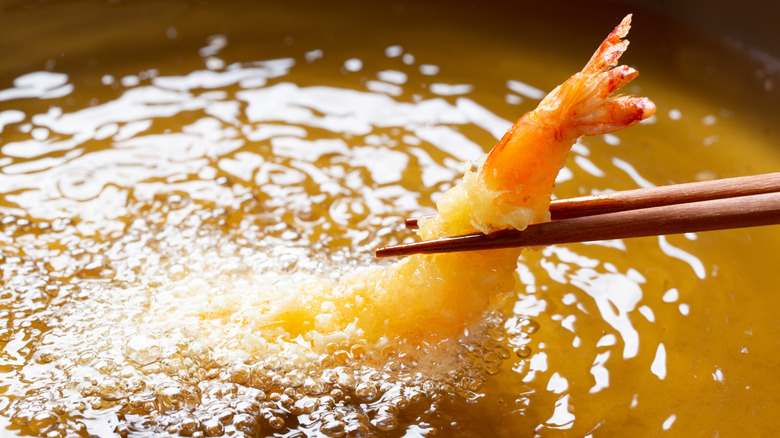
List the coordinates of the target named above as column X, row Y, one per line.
column 584, row 105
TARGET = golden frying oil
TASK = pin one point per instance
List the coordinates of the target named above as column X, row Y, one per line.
column 172, row 179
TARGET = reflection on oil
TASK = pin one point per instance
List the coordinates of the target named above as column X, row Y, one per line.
column 146, row 231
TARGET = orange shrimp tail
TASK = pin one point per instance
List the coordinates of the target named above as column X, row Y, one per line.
column 524, row 163
column 583, row 104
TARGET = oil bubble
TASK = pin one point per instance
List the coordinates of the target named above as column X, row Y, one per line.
column 387, row 410
column 333, row 428
column 366, row 391
column 531, row 326
column 385, row 423
column 6, row 335
column 225, row 416
column 400, row 401
column 22, row 417
column 142, row 349
column 241, row 374
column 173, row 397
column 313, row 387
column 523, row 351
column 43, row 421
column 110, row 388
column 276, row 422
column 357, row 430
column 212, row 427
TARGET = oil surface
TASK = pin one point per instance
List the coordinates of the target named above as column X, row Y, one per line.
column 194, row 162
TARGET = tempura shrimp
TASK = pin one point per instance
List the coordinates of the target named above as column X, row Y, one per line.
column 427, row 297
column 512, row 187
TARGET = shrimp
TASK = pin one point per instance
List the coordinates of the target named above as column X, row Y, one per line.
column 512, row 187
column 433, row 297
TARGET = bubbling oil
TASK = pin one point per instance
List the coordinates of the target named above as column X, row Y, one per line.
column 164, row 304
column 157, row 212
column 126, row 345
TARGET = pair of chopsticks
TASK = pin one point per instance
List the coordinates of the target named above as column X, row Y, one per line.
column 748, row 201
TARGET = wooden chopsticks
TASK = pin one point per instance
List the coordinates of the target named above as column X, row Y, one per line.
column 702, row 206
